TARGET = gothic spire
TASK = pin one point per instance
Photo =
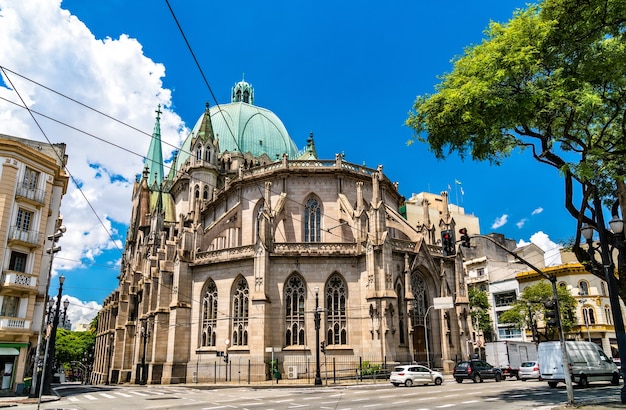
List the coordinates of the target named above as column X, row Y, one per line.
column 154, row 158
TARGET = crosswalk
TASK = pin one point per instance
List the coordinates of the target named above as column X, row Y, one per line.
column 126, row 393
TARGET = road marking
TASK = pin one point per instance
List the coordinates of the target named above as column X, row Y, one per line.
column 400, row 402
column 119, row 393
column 373, row 405
column 443, row 406
column 108, row 396
column 310, row 398
column 470, row 402
column 90, row 397
column 74, row 399
column 491, row 399
column 137, row 393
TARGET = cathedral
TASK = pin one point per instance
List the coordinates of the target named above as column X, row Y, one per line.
column 252, row 258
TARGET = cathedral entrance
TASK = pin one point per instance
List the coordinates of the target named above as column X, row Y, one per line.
column 419, row 345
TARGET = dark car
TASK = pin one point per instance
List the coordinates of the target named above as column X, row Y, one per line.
column 477, row 371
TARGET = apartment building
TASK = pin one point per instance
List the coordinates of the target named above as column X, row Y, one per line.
column 33, row 181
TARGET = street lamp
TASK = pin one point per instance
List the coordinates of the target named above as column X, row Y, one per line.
column 35, row 389
column 318, row 376
column 52, row 340
column 66, row 304
column 145, row 335
column 426, row 336
column 585, row 314
column 617, row 237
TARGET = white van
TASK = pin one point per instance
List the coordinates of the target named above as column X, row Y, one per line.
column 587, row 363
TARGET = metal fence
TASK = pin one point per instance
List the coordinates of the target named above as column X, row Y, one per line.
column 334, row 369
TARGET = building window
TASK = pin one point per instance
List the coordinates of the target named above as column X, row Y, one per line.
column 312, row 217
column 199, row 153
column 24, row 219
column 30, row 179
column 509, row 333
column 240, row 313
column 608, row 315
column 10, row 306
column 583, row 288
column 603, row 288
column 209, row 314
column 18, row 261
column 589, row 315
column 336, row 319
column 294, row 311
column 480, row 272
column 505, row 298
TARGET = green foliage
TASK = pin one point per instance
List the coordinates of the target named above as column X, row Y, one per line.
column 368, row 368
column 479, row 305
column 551, row 79
column 529, row 309
column 93, row 325
column 72, row 346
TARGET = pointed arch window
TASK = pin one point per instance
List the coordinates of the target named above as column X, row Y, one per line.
column 294, row 311
column 209, row 314
column 418, row 286
column 401, row 315
column 205, row 193
column 199, row 153
column 312, row 220
column 336, row 318
column 240, row 313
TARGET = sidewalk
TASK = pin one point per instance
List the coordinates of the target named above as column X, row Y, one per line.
column 12, row 401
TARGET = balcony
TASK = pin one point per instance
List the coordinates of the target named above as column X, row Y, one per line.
column 31, row 239
column 14, row 323
column 477, row 279
column 18, row 280
column 34, row 196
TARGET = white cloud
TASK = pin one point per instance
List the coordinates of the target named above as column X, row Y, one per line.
column 42, row 42
column 552, row 255
column 537, row 211
column 521, row 222
column 80, row 311
column 500, row 221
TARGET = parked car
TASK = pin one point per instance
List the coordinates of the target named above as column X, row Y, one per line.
column 411, row 374
column 529, row 370
column 476, row 370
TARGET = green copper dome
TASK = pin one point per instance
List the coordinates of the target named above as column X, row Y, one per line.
column 242, row 126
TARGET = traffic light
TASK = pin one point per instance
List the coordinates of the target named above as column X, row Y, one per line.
column 448, row 243
column 323, row 347
column 549, row 314
column 464, row 237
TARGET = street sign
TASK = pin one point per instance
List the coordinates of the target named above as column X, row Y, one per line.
column 443, row 303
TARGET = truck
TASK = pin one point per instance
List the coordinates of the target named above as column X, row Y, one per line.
column 509, row 355
column 587, row 362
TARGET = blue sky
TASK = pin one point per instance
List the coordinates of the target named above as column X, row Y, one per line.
column 347, row 71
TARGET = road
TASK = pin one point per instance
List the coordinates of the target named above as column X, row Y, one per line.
column 509, row 394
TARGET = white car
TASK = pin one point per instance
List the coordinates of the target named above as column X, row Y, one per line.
column 411, row 374
column 529, row 370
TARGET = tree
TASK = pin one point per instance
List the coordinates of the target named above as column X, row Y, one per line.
column 71, row 346
column 479, row 306
column 529, row 309
column 552, row 81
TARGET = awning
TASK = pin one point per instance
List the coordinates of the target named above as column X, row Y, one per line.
column 9, row 351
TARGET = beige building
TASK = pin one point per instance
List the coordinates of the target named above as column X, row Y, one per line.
column 594, row 316
column 492, row 270
column 32, row 182
column 248, row 252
